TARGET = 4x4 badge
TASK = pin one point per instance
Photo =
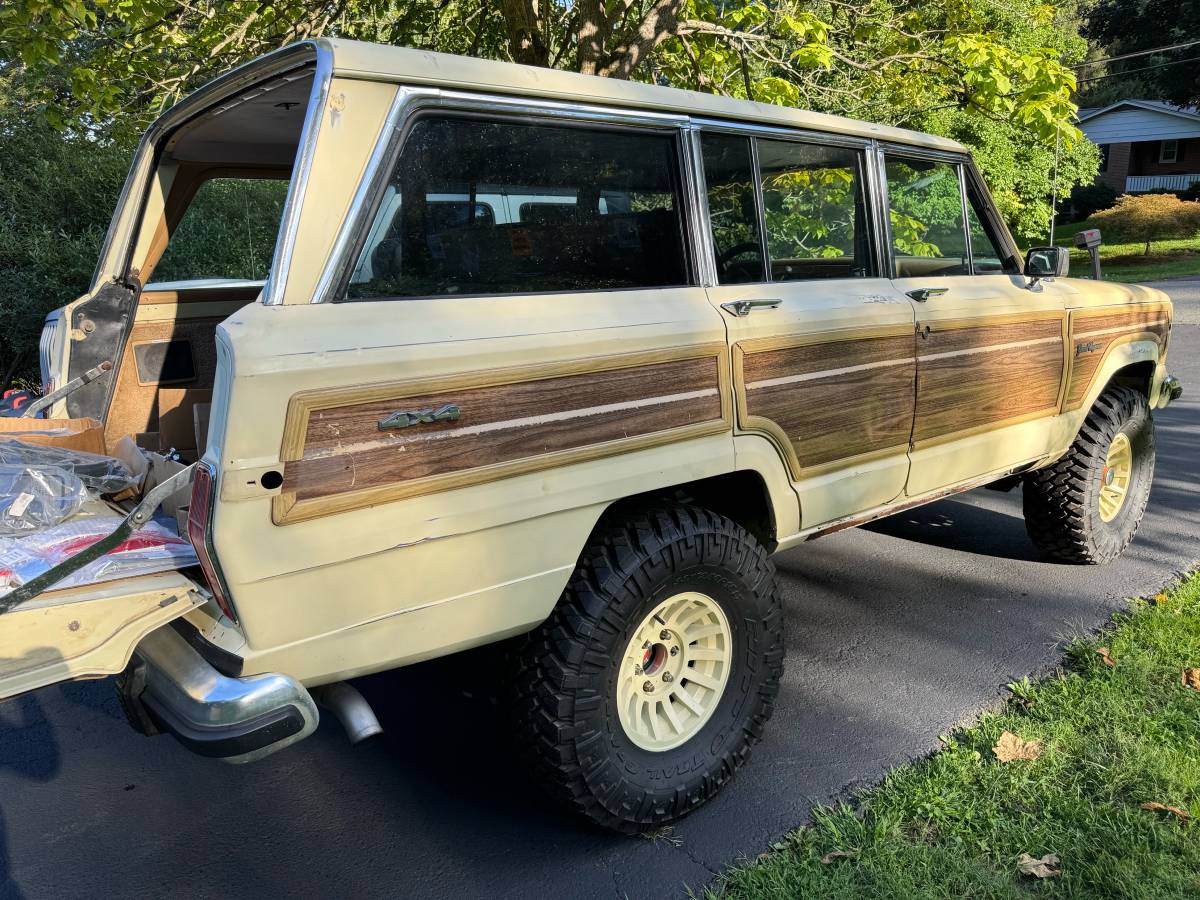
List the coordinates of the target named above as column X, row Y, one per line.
column 1088, row 347
column 402, row 419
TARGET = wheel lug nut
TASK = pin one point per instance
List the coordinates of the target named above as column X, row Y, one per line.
column 664, row 635
column 668, row 677
column 674, row 651
column 648, row 686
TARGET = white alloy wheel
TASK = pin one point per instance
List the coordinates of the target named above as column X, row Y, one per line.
column 673, row 672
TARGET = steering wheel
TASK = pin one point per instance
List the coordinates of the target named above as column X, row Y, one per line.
column 726, row 256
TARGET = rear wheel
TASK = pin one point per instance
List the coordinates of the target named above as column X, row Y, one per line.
column 646, row 688
column 1086, row 507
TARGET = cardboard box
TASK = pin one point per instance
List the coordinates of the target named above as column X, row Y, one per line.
column 71, row 434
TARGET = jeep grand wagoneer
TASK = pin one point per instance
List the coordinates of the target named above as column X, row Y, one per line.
column 562, row 360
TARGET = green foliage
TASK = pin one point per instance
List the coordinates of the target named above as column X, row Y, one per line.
column 57, row 192
column 954, row 825
column 228, row 232
column 1150, row 217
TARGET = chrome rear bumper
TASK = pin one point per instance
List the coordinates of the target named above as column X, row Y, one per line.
column 234, row 719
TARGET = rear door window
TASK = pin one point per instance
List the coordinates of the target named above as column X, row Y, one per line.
column 496, row 207
column 815, row 211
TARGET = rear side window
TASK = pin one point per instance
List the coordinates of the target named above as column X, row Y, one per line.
column 480, row 207
column 732, row 207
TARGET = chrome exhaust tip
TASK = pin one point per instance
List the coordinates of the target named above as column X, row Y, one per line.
column 351, row 709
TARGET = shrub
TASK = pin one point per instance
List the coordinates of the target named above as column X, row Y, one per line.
column 1192, row 193
column 1087, row 199
column 1149, row 217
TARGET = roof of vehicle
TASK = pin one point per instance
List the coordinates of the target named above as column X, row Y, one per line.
column 356, row 59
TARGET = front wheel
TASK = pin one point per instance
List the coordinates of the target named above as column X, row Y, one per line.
column 1086, row 507
column 646, row 688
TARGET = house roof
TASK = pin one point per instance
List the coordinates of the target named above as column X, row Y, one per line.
column 356, row 59
column 1186, row 112
column 1131, row 121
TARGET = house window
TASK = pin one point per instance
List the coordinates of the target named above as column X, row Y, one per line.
column 1104, row 148
column 1168, row 151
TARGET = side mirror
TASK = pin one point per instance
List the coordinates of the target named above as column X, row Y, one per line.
column 1047, row 262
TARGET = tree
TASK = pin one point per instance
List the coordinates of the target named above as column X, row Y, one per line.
column 990, row 72
column 1150, row 217
column 1126, row 26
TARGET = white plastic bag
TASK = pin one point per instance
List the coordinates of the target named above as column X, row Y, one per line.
column 33, row 497
column 102, row 474
column 154, row 548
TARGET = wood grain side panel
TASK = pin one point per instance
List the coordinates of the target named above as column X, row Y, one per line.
column 512, row 421
column 445, row 451
column 820, row 357
column 1094, row 334
column 329, row 430
column 968, row 391
column 831, row 401
column 947, row 338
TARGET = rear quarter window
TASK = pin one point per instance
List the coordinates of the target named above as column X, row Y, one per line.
column 532, row 208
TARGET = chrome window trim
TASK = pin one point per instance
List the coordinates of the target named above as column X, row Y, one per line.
column 275, row 289
column 413, row 101
column 781, row 132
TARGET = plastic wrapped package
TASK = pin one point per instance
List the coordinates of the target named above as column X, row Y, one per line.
column 34, row 497
column 154, row 548
column 102, row 474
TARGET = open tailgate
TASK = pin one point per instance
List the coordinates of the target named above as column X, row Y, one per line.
column 49, row 635
column 89, row 631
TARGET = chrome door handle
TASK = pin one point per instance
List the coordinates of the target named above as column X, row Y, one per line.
column 741, row 308
column 923, row 294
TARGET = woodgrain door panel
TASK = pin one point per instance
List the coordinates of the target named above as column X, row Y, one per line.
column 828, row 377
column 990, row 373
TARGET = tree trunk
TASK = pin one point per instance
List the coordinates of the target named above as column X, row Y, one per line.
column 523, row 21
column 660, row 23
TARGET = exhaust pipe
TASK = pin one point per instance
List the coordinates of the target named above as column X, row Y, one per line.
column 351, row 709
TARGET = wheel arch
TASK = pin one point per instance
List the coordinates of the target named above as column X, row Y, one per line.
column 741, row 495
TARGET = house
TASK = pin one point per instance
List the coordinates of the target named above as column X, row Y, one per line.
column 1145, row 145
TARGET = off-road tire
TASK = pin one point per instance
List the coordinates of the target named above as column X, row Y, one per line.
column 565, row 709
column 1062, row 511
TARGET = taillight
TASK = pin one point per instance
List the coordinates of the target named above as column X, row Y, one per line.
column 199, row 532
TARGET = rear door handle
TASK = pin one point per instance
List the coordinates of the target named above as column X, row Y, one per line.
column 923, row 294
column 742, row 308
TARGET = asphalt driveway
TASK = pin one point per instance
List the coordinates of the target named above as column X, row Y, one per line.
column 896, row 632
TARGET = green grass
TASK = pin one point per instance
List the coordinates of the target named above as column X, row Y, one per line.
column 1126, row 261
column 954, row 824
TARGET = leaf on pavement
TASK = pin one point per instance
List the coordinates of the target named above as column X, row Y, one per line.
column 838, row 854
column 1105, row 656
column 1046, row 867
column 1154, row 806
column 1191, row 679
column 1010, row 747
column 1159, row 599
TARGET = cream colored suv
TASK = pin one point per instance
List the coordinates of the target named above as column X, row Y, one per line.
column 564, row 360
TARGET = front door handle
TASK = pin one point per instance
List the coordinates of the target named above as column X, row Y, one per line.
column 923, row 294
column 742, row 308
